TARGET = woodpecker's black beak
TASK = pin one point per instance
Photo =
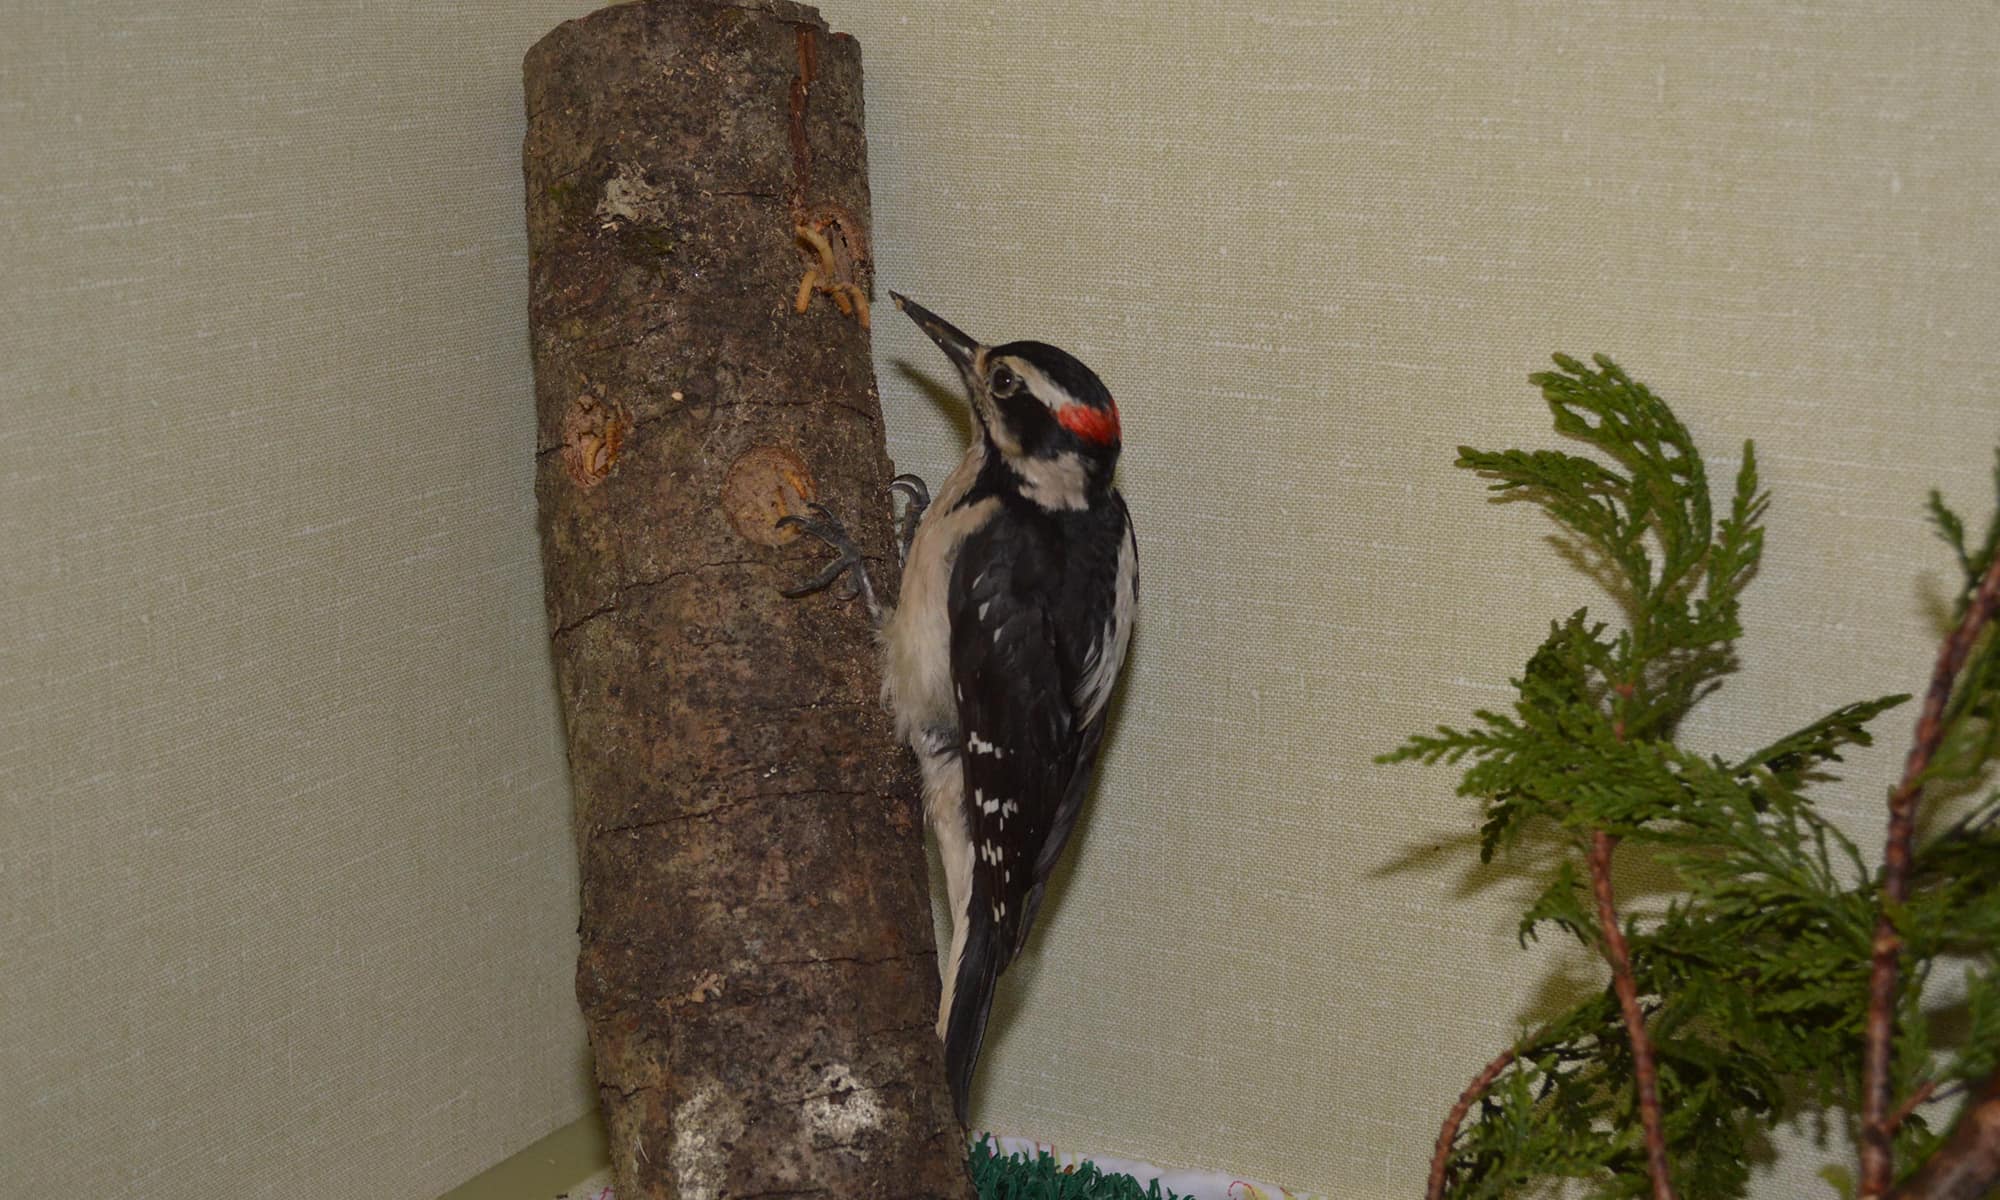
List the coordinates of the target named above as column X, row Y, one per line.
column 950, row 338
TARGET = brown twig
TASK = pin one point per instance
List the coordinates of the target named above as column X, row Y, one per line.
column 1643, row 1067
column 1909, row 1106
column 1449, row 1134
column 1878, row 1131
column 1967, row 1165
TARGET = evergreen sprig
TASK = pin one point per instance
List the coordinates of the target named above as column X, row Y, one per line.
column 1753, row 984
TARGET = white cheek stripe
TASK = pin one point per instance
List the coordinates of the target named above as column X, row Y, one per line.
column 1054, row 483
column 1054, row 396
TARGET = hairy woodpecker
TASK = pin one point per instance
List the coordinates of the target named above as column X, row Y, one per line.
column 1000, row 655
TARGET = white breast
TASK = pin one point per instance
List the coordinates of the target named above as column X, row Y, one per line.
column 916, row 669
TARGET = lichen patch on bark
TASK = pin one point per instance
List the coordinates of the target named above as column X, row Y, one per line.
column 704, row 1126
column 844, row 1111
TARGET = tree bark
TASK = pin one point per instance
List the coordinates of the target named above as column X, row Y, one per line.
column 757, row 970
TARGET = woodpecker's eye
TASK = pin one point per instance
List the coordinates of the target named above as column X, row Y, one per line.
column 1003, row 382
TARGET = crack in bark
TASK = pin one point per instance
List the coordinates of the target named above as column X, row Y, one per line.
column 851, row 960
column 569, row 627
column 708, row 408
column 637, row 1089
column 807, row 39
column 718, row 809
column 559, row 176
column 641, row 584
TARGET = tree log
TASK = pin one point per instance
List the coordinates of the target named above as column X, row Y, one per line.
column 757, row 970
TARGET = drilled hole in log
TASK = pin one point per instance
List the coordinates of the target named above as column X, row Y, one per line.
column 593, row 432
column 764, row 484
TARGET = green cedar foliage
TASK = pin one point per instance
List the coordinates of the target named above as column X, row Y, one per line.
column 1754, row 979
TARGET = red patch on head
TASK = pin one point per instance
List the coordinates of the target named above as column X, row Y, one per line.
column 1095, row 425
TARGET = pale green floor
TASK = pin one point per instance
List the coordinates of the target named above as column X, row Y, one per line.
column 572, row 1162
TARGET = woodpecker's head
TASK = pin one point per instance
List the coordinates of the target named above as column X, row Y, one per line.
column 1047, row 414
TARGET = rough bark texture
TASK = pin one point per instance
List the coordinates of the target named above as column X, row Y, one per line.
column 757, row 970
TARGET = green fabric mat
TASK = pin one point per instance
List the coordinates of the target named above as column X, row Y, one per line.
column 1017, row 1178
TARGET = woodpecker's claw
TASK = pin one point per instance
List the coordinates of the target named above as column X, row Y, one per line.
column 913, row 490
column 827, row 528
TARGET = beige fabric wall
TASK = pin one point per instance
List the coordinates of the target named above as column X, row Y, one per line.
column 286, row 892
column 1313, row 247
column 285, row 885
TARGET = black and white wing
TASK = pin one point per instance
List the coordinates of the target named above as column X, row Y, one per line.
column 1038, row 635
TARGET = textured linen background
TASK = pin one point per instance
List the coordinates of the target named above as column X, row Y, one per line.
column 286, row 891
column 287, row 895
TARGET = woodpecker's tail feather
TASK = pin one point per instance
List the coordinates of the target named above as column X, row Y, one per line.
column 971, row 1002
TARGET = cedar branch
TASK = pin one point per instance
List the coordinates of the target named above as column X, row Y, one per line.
column 1967, row 1165
column 1615, row 951
column 1878, row 1130
column 1449, row 1134
column 1910, row 1105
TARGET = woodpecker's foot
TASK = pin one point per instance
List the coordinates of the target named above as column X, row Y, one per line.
column 827, row 528
column 918, row 497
